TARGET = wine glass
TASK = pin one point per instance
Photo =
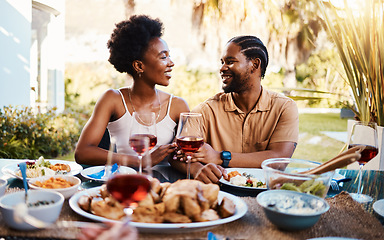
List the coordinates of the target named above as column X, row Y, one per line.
column 143, row 127
column 130, row 188
column 189, row 136
column 363, row 134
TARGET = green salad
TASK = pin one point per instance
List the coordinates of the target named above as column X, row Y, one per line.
column 313, row 187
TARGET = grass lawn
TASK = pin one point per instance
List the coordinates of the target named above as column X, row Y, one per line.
column 69, row 157
column 311, row 126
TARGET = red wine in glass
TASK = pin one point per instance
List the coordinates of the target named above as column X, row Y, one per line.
column 138, row 145
column 129, row 189
column 363, row 134
column 367, row 154
column 189, row 144
column 189, row 136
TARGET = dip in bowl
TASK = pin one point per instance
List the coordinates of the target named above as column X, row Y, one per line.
column 64, row 184
column 290, row 210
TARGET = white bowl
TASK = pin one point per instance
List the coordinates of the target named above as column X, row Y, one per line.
column 47, row 213
column 3, row 186
column 67, row 192
column 291, row 210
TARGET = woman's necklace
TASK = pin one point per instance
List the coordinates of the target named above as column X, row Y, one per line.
column 133, row 107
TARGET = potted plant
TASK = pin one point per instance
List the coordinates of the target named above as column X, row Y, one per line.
column 359, row 38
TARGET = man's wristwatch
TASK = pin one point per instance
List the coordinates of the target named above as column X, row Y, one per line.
column 226, row 157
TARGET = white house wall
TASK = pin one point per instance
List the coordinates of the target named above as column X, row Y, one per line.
column 32, row 31
column 15, row 45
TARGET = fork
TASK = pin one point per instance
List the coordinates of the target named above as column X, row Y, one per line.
column 335, row 185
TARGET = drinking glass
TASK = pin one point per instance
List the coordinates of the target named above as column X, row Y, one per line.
column 143, row 127
column 189, row 136
column 363, row 134
column 130, row 188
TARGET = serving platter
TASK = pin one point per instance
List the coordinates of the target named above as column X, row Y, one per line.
column 255, row 172
column 241, row 209
column 12, row 168
column 96, row 169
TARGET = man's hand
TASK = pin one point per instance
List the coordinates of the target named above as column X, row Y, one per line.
column 206, row 154
column 211, row 173
column 179, row 155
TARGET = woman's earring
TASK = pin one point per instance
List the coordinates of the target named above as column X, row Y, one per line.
column 139, row 74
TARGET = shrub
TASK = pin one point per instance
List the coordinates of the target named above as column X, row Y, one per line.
column 25, row 134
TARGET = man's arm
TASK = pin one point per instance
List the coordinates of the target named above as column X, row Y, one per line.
column 207, row 154
column 209, row 173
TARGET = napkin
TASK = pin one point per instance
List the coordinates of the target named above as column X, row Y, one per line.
column 211, row 236
column 100, row 174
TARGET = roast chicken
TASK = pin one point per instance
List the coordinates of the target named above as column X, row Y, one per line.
column 184, row 201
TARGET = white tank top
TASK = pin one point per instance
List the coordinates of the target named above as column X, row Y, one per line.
column 120, row 130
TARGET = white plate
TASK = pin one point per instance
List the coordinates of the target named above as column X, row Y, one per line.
column 378, row 206
column 96, row 169
column 11, row 168
column 241, row 209
column 255, row 172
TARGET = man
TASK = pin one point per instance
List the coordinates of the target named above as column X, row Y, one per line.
column 246, row 124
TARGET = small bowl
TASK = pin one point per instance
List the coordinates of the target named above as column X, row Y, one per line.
column 47, row 213
column 67, row 192
column 282, row 173
column 290, row 210
column 3, row 186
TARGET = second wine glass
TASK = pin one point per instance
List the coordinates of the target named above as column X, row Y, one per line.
column 130, row 188
column 143, row 127
column 363, row 134
column 189, row 137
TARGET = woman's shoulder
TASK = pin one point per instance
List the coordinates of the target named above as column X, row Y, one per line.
column 110, row 97
column 113, row 93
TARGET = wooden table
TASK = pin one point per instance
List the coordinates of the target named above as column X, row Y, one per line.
column 256, row 223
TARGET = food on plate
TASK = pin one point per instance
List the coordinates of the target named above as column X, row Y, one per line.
column 245, row 180
column 85, row 203
column 53, row 183
column 184, row 201
column 42, row 167
column 313, row 187
column 61, row 167
column 108, row 208
column 227, row 208
column 233, row 174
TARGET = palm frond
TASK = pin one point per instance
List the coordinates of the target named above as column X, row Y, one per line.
column 359, row 39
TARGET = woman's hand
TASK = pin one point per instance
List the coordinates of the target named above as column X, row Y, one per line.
column 161, row 152
column 112, row 231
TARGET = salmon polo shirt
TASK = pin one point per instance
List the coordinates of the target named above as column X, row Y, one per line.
column 275, row 118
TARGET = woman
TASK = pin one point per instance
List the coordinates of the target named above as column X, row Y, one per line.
column 137, row 49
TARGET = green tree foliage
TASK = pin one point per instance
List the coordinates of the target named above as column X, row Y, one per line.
column 193, row 85
column 322, row 73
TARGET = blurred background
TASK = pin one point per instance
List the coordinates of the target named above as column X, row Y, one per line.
column 67, row 69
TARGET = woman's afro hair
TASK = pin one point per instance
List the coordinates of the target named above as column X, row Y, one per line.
column 130, row 39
